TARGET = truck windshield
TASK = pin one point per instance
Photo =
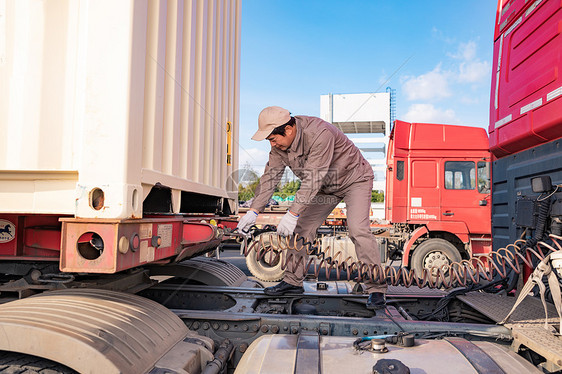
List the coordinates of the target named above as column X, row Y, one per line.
column 460, row 175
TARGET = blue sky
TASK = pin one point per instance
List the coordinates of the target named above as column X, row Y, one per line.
column 437, row 54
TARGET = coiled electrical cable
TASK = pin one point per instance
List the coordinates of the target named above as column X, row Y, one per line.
column 476, row 270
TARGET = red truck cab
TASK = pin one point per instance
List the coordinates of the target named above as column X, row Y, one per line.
column 438, row 192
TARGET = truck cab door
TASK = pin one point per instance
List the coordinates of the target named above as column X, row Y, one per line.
column 465, row 196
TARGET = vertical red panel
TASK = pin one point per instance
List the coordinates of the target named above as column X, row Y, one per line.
column 526, row 76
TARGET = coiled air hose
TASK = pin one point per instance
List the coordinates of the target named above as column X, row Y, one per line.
column 499, row 264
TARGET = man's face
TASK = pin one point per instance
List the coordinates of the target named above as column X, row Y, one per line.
column 283, row 142
column 279, row 141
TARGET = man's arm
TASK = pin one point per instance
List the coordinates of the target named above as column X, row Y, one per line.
column 317, row 166
column 268, row 182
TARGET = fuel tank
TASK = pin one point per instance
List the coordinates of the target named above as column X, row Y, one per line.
column 311, row 353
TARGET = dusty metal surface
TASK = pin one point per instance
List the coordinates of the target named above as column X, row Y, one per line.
column 190, row 355
column 415, row 291
column 347, row 287
column 481, row 361
column 307, row 359
column 526, row 323
column 278, row 354
column 95, row 331
column 209, row 271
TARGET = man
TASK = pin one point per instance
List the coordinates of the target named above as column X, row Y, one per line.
column 331, row 168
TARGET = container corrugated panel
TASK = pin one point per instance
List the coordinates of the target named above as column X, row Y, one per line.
column 526, row 94
column 117, row 96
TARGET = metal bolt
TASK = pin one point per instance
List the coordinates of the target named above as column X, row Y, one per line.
column 294, row 330
column 324, row 331
column 195, row 325
column 365, row 332
column 215, row 325
column 225, row 326
column 264, row 329
column 275, row 329
column 255, row 328
column 206, row 326
column 245, row 328
column 355, row 332
column 242, row 348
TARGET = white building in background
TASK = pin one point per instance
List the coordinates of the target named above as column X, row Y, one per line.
column 366, row 119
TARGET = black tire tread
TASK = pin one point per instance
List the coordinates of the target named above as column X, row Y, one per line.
column 20, row 363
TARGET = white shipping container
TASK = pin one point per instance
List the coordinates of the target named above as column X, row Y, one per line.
column 116, row 96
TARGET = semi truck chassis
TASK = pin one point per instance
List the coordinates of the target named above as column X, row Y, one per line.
column 221, row 310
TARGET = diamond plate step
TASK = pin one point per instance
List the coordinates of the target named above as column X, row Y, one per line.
column 526, row 322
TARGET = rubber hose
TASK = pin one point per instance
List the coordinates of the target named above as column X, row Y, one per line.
column 544, row 209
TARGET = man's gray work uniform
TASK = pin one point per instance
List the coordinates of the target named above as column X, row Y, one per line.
column 331, row 168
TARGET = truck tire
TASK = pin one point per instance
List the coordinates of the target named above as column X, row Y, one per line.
column 268, row 267
column 433, row 252
column 16, row 363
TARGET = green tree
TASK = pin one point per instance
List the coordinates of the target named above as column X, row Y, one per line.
column 248, row 181
column 288, row 189
column 377, row 196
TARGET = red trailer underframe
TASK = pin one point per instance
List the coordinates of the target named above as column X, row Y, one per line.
column 108, row 246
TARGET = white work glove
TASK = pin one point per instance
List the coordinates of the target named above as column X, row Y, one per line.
column 247, row 221
column 287, row 225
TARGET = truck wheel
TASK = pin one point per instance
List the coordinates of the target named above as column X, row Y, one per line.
column 268, row 267
column 434, row 253
column 12, row 362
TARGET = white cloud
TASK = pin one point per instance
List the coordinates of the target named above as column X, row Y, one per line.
column 458, row 79
column 470, row 69
column 429, row 86
column 430, row 114
column 474, row 71
column 440, row 35
column 469, row 100
column 465, row 51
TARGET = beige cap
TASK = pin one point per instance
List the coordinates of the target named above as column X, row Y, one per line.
column 270, row 118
